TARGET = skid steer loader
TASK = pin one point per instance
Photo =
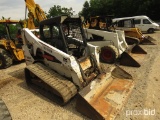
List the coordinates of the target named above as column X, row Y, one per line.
column 114, row 47
column 128, row 25
column 60, row 66
column 132, row 35
column 10, row 48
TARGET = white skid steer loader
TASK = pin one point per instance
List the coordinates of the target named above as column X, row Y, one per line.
column 60, row 66
column 114, row 47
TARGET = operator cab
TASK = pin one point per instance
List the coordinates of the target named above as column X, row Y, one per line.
column 65, row 33
column 12, row 32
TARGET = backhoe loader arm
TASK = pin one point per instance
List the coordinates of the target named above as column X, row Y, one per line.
column 35, row 13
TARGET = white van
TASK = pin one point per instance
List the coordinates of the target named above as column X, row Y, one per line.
column 144, row 23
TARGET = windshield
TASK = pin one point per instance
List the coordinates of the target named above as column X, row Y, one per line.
column 72, row 29
column 10, row 31
column 151, row 20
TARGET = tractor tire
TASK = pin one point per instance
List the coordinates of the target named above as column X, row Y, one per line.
column 108, row 54
column 4, row 113
column 150, row 30
column 5, row 59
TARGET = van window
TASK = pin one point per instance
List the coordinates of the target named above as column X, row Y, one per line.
column 127, row 23
column 120, row 24
column 138, row 21
column 146, row 21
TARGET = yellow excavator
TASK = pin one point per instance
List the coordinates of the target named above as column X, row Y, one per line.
column 132, row 34
column 10, row 45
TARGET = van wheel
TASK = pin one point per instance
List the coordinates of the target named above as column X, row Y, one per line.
column 108, row 54
column 5, row 59
column 150, row 30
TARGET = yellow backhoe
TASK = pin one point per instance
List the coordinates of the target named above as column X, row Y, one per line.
column 10, row 45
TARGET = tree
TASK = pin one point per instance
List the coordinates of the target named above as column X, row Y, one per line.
column 122, row 8
column 58, row 10
column 85, row 10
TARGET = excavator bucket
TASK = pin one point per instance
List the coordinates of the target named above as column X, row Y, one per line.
column 104, row 97
column 148, row 40
column 133, row 56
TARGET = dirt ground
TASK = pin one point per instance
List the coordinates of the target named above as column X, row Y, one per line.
column 143, row 104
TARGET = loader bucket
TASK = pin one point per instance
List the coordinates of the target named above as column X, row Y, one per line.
column 133, row 57
column 105, row 96
column 148, row 40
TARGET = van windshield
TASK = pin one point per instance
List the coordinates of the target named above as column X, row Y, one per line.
column 151, row 20
column 146, row 21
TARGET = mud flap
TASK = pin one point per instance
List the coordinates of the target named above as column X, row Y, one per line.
column 104, row 97
column 148, row 40
column 133, row 57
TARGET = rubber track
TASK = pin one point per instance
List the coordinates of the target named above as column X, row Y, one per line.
column 65, row 88
column 4, row 113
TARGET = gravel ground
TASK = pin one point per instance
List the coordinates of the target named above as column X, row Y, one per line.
column 143, row 104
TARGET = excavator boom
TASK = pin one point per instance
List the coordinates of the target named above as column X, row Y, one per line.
column 35, row 13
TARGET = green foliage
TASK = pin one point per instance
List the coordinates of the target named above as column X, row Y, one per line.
column 86, row 10
column 2, row 30
column 58, row 10
column 122, row 8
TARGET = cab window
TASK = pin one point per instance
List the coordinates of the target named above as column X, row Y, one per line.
column 127, row 23
column 146, row 21
column 138, row 21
